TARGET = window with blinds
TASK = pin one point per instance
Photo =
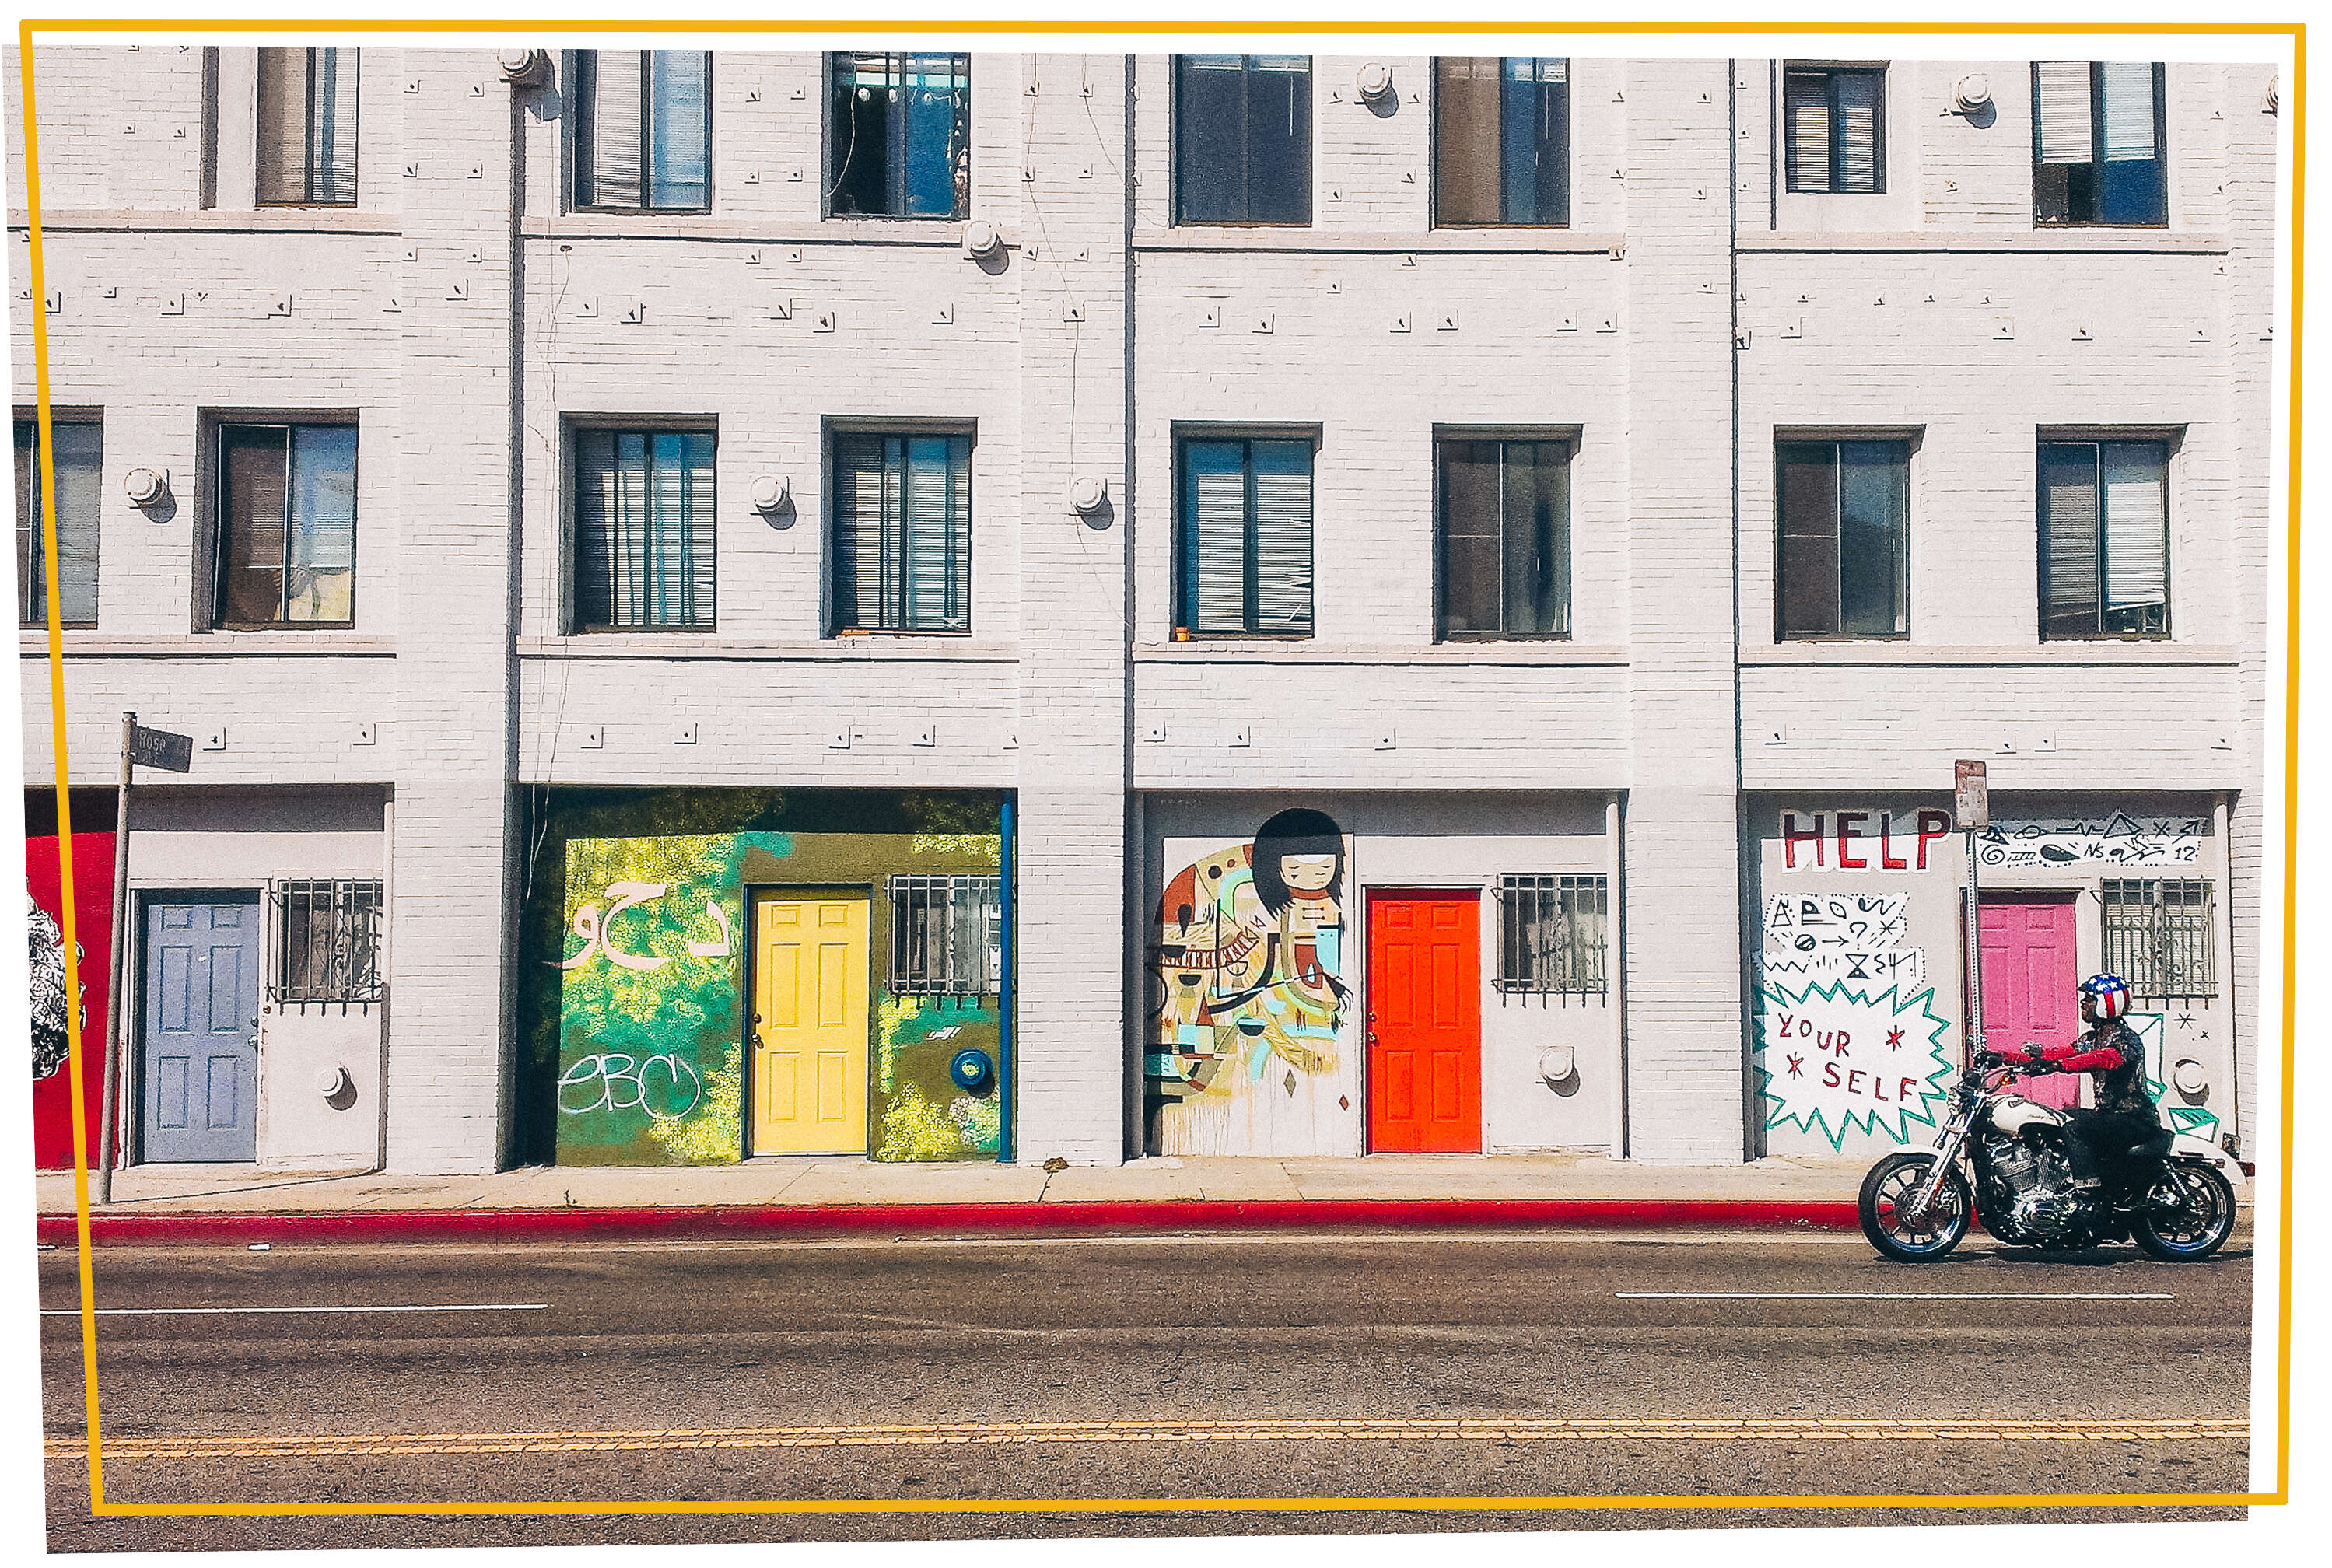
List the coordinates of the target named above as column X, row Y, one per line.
column 2105, row 539
column 1834, row 129
column 2157, row 937
column 900, row 135
column 644, row 135
column 2098, row 145
column 1244, row 544
column 902, row 539
column 287, row 525
column 1243, row 138
column 1843, row 546
column 1505, row 538
column 76, row 464
column 306, row 127
column 1501, row 141
column 644, row 529
column 1554, row 936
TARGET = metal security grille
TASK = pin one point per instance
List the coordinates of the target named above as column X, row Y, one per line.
column 328, row 948
column 946, row 936
column 2157, row 937
column 1552, row 935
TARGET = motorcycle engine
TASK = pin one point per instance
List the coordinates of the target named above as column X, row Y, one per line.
column 2042, row 1206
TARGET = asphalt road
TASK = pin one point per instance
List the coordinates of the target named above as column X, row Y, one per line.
column 1239, row 1367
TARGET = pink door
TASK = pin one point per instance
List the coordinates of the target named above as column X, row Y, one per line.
column 2029, row 970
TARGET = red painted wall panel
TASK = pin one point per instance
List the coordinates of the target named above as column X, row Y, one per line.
column 93, row 856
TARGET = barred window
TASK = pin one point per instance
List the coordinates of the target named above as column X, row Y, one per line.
column 1552, row 935
column 947, row 936
column 328, row 931
column 2157, row 937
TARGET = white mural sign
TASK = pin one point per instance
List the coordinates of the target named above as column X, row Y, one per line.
column 1835, row 1061
column 1815, row 937
column 2119, row 839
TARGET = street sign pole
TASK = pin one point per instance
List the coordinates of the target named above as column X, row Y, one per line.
column 1971, row 811
column 118, row 960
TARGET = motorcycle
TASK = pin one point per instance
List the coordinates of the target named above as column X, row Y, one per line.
column 2002, row 1159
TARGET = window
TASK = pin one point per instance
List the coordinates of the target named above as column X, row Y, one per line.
column 1501, row 141
column 947, row 936
column 76, row 455
column 644, row 137
column 287, row 525
column 2097, row 143
column 306, row 152
column 2105, row 539
column 1835, row 123
column 1844, row 560
column 902, row 135
column 644, row 534
column 329, row 934
column 902, row 534
column 2157, row 937
column 1243, row 138
column 1246, row 538
column 1552, row 935
column 1505, row 538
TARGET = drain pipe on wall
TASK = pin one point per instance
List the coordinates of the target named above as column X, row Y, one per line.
column 1007, row 874
column 387, row 972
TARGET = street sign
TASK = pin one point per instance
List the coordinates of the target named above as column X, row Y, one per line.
column 161, row 749
column 1971, row 800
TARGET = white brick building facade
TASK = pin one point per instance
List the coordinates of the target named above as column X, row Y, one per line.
column 470, row 320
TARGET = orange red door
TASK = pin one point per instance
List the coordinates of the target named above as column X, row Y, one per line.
column 1425, row 1022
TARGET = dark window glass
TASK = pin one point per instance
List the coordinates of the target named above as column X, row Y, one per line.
column 2105, row 539
column 287, row 525
column 1243, row 138
column 1246, row 539
column 1554, row 936
column 307, row 127
column 902, row 534
column 947, row 936
column 1505, row 538
column 1834, row 123
column 644, row 534
column 76, row 458
column 1501, row 140
column 2097, row 143
column 645, row 132
column 2158, row 936
column 330, row 933
column 901, row 134
column 1844, row 558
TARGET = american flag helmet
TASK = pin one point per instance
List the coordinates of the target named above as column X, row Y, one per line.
column 2111, row 993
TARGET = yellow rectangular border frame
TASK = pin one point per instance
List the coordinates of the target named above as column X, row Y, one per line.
column 100, row 1508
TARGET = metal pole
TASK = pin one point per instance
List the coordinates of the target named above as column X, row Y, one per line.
column 113, row 969
column 1975, row 958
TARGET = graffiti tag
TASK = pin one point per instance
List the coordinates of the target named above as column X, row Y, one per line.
column 2120, row 839
column 596, row 930
column 664, row 1086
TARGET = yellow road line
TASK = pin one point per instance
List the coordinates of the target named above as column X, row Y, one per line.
column 1278, row 1429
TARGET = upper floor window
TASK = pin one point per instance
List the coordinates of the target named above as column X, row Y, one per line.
column 1245, row 546
column 2105, row 539
column 1243, row 138
column 902, row 533
column 2097, row 143
column 1843, row 568
column 644, row 534
column 1501, row 140
column 287, row 520
column 1834, row 121
column 1505, row 538
column 306, row 127
column 644, row 136
column 900, row 135
column 76, row 457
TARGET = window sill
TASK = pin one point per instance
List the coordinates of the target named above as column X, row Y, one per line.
column 660, row 647
column 1439, row 241
column 1235, row 650
column 931, row 234
column 318, row 220
column 216, row 645
column 2041, row 656
column 2113, row 242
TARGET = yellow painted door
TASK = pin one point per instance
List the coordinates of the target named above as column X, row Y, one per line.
column 809, row 1024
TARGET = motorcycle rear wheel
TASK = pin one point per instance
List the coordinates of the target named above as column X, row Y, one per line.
column 2198, row 1227
column 1888, row 1188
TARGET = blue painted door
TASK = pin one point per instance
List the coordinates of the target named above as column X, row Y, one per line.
column 199, row 1066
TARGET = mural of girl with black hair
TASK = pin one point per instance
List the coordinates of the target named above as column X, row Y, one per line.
column 1298, row 862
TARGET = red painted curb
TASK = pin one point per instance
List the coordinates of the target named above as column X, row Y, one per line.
column 119, row 1228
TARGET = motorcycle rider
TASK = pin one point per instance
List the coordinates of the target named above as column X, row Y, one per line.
column 2124, row 1115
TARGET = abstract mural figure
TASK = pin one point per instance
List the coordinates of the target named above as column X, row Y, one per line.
column 1251, row 941
column 50, row 1043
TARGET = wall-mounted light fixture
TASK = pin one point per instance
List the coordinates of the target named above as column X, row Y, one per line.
column 1973, row 93
column 769, row 493
column 1374, row 81
column 982, row 240
column 524, row 67
column 1088, row 495
column 147, row 486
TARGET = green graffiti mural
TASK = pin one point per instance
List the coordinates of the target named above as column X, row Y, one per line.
column 642, row 992
column 2178, row 1118
column 1836, row 1061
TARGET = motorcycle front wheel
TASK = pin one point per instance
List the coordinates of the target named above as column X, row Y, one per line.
column 1887, row 1193
column 2197, row 1226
